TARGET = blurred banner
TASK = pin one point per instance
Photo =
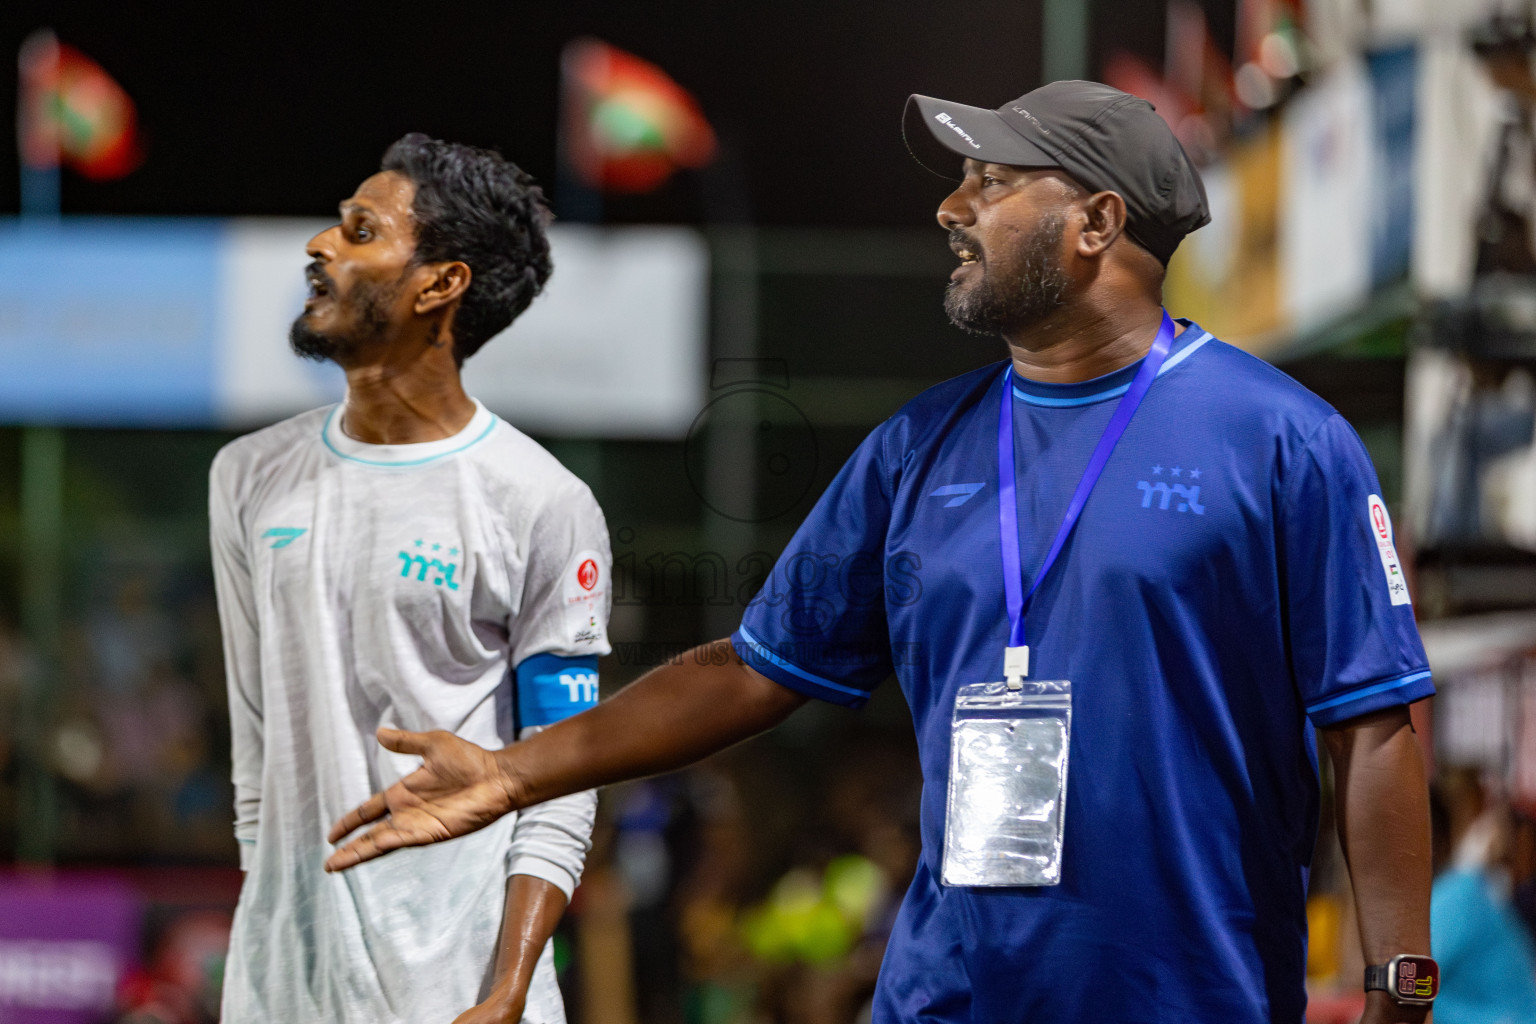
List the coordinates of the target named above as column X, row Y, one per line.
column 147, row 322
column 1311, row 211
column 66, row 944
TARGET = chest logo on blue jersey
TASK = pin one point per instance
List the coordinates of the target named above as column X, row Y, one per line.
column 1165, row 493
column 428, row 560
column 958, row 494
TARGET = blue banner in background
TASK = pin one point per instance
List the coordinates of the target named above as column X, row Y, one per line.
column 160, row 322
column 1393, row 75
column 109, row 322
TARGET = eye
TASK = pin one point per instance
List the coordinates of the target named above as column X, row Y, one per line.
column 988, row 180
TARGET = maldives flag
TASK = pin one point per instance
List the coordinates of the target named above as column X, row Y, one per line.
column 628, row 126
column 71, row 111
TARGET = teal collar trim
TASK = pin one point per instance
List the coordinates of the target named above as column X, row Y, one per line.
column 404, row 456
column 1111, row 385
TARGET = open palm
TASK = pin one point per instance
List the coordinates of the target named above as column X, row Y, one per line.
column 458, row 789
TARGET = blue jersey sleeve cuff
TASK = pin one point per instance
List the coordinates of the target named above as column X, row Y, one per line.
column 762, row 658
column 1369, row 697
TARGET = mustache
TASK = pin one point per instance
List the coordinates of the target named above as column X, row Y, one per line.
column 958, row 240
column 315, row 274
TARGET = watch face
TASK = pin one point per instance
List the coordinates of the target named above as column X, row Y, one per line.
column 1416, row 978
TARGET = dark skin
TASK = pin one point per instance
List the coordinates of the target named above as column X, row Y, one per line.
column 403, row 388
column 710, row 699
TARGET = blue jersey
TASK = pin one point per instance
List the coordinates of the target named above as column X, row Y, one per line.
column 1232, row 576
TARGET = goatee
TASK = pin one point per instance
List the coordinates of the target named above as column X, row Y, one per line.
column 372, row 323
column 1017, row 290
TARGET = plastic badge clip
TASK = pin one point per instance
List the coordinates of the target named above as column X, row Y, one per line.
column 1015, row 666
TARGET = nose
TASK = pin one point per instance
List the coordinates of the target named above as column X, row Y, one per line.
column 955, row 211
column 323, row 246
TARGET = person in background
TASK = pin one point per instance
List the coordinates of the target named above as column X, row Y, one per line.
column 1487, row 965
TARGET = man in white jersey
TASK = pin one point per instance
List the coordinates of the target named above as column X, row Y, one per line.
column 404, row 559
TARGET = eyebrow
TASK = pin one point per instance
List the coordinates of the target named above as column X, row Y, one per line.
column 348, row 205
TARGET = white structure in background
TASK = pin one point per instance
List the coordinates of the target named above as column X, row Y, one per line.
column 614, row 347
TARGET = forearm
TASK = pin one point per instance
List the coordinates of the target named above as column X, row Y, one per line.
column 702, row 702
column 1383, row 818
column 532, row 912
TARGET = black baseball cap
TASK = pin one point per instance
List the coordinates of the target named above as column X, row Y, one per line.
column 1105, row 139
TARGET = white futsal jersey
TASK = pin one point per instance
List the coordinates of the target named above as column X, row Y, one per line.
column 459, row 584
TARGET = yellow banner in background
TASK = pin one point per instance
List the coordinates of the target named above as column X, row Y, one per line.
column 1226, row 276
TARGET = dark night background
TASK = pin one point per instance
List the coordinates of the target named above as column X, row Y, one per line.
column 274, row 108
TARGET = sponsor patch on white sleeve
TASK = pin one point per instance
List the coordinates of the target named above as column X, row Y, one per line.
column 583, row 590
column 1381, row 532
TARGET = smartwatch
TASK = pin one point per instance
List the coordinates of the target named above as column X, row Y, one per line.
column 1408, row 979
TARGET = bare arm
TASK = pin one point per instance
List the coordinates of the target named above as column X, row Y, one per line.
column 1383, row 814
column 693, row 706
column 533, row 910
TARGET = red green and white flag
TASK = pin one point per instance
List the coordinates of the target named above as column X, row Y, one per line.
column 71, row 112
column 628, row 125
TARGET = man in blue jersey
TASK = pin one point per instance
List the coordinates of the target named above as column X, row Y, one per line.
column 1192, row 540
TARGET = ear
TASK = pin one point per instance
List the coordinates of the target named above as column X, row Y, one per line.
column 447, row 284
column 1105, row 215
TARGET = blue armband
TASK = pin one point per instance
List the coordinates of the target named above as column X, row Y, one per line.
column 551, row 687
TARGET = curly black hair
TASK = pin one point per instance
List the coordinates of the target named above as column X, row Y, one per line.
column 475, row 206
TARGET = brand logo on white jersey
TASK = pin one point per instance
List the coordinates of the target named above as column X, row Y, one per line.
column 1381, row 533
column 441, row 572
column 282, row 536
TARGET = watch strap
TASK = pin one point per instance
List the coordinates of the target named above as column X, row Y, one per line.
column 1378, row 976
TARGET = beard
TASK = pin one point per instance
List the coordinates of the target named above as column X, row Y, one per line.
column 1017, row 289
column 370, row 323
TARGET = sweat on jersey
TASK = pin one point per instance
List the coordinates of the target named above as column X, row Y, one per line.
column 1231, row 582
column 460, row 584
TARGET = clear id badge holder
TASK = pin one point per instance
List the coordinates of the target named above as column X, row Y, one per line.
column 1008, row 783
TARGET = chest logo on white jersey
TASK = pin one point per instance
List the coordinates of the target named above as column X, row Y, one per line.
column 282, row 536
column 1381, row 532
column 429, row 563
column 1164, row 492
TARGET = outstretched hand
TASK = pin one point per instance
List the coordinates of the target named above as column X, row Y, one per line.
column 459, row 788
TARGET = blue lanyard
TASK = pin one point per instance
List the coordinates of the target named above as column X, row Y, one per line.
column 1016, row 661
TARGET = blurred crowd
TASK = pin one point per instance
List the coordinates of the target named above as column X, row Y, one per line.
column 1483, row 907
column 133, row 741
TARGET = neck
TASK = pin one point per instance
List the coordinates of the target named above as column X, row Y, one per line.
column 412, row 394
column 1081, row 342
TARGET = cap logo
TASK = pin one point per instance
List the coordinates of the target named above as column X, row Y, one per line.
column 1032, row 119
column 949, row 122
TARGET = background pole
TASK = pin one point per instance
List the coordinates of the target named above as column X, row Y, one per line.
column 42, row 513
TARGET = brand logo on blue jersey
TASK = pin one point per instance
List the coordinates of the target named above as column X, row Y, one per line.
column 1188, row 495
column 282, row 536
column 958, row 494
column 441, row 572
